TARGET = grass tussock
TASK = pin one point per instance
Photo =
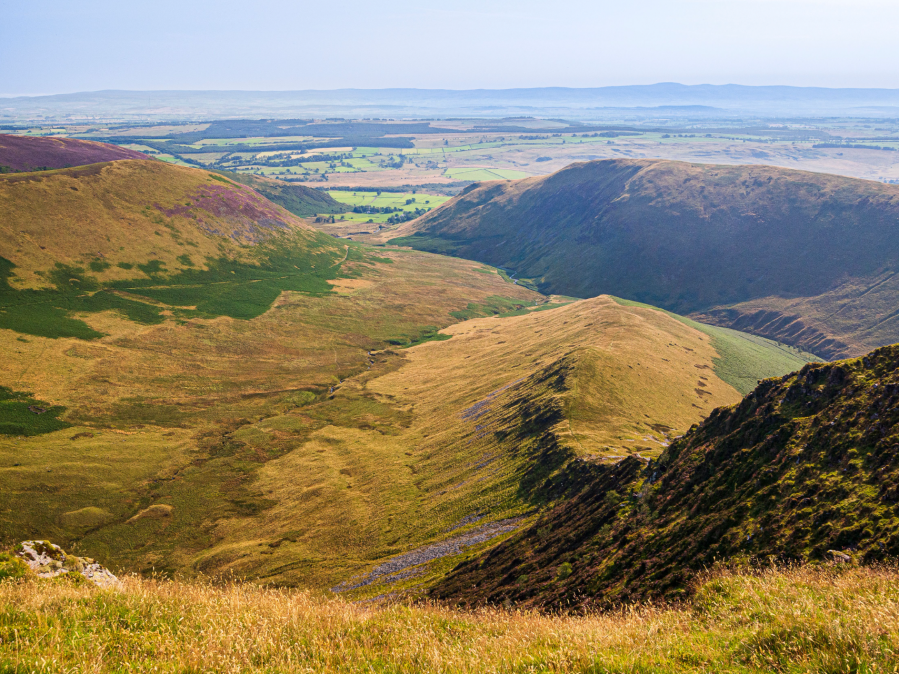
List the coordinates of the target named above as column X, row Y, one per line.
column 787, row 620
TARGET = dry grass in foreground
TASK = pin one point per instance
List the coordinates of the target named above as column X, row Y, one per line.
column 789, row 620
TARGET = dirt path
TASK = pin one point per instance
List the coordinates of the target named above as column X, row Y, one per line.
column 345, row 256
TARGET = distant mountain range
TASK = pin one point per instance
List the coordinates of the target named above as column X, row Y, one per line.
column 638, row 101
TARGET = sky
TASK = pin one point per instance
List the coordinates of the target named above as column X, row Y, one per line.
column 55, row 46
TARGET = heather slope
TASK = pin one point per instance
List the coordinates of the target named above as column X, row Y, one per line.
column 806, row 464
column 111, row 215
column 692, row 239
column 147, row 240
column 22, row 153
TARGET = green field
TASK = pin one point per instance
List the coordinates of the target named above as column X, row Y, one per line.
column 384, row 200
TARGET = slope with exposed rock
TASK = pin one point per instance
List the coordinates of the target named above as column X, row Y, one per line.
column 816, row 252
column 804, row 468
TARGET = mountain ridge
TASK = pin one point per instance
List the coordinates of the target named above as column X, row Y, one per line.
column 805, row 468
column 693, row 239
column 730, row 99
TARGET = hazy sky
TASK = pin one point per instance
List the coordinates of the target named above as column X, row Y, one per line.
column 51, row 46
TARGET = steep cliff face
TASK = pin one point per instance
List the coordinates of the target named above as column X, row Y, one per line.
column 806, row 467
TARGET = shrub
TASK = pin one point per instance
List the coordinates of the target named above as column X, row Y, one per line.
column 11, row 567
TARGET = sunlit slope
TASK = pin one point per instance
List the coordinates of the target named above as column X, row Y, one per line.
column 186, row 411
column 470, row 427
column 694, row 238
column 429, row 443
column 116, row 217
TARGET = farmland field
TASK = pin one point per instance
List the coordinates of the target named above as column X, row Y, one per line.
column 370, row 217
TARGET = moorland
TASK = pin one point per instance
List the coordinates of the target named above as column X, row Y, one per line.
column 237, row 393
column 328, row 381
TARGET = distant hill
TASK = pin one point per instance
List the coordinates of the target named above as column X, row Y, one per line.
column 29, row 153
column 570, row 103
column 804, row 468
column 809, row 259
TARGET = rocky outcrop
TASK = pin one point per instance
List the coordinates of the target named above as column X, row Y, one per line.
column 48, row 560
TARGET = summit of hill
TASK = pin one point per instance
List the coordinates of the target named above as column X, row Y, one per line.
column 30, row 153
column 806, row 258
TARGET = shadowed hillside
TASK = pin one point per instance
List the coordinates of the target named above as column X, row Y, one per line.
column 298, row 199
column 804, row 468
column 808, row 259
column 21, row 153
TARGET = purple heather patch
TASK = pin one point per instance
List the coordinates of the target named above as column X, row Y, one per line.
column 250, row 215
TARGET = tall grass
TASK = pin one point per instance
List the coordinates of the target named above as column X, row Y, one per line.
column 788, row 620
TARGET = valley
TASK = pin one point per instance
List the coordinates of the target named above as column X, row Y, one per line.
column 453, row 338
column 573, row 390
column 239, row 393
column 804, row 258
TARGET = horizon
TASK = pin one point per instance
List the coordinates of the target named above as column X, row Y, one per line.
column 453, row 89
column 463, row 45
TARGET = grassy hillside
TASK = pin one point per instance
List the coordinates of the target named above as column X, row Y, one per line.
column 307, row 446
column 804, row 468
column 196, row 382
column 717, row 240
column 133, row 219
column 792, row 620
column 298, row 199
column 146, row 239
column 20, row 153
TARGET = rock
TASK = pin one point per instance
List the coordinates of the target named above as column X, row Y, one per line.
column 48, row 560
column 839, row 557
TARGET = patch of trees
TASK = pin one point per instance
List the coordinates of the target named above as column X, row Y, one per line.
column 853, row 146
column 405, row 216
column 394, row 162
column 283, row 162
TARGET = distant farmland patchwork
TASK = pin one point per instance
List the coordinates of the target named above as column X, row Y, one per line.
column 443, row 156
